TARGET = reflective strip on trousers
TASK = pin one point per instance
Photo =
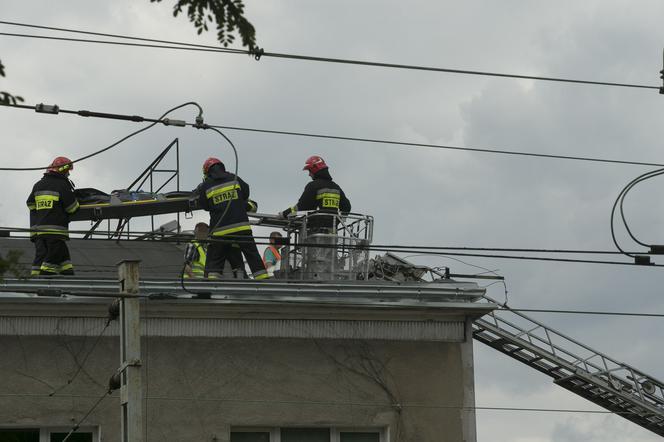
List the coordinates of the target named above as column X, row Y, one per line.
column 49, row 230
column 48, row 267
column 233, row 228
column 261, row 274
column 67, row 265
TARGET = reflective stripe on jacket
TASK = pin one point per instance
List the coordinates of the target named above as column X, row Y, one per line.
column 198, row 265
column 195, row 256
column 323, row 194
column 225, row 196
column 51, row 202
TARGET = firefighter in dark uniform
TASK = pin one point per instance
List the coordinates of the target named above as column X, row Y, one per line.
column 321, row 194
column 51, row 202
column 328, row 198
column 226, row 197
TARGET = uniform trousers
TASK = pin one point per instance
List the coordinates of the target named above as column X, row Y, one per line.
column 231, row 248
column 51, row 257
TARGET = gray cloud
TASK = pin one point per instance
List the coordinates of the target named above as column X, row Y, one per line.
column 418, row 196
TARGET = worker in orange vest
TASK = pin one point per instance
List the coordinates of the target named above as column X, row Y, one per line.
column 271, row 255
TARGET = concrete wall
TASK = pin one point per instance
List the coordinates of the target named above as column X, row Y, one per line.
column 198, row 388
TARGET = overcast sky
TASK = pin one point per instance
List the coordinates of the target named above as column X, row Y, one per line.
column 418, row 196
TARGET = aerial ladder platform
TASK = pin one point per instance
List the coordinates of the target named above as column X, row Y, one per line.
column 611, row 384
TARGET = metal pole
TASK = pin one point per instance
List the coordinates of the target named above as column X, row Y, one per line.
column 131, row 394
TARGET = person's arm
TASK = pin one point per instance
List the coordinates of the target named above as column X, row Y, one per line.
column 252, row 206
column 244, row 189
column 30, row 202
column 344, row 205
column 307, row 201
column 68, row 199
column 202, row 197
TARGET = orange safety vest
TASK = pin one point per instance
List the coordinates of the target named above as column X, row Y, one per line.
column 275, row 252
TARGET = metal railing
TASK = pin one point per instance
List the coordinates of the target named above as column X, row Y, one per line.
column 327, row 246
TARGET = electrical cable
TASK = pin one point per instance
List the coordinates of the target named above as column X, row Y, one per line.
column 403, row 249
column 261, row 53
column 395, row 247
column 622, row 200
column 100, row 151
column 375, row 141
column 494, row 272
column 286, row 301
column 586, row 312
column 346, row 404
column 438, row 146
column 619, row 201
column 82, row 363
column 78, row 424
column 307, row 302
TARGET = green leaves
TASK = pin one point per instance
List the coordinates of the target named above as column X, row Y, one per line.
column 10, row 264
column 227, row 15
column 9, row 99
column 5, row 97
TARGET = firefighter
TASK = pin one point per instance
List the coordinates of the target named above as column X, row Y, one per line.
column 319, row 239
column 321, row 193
column 51, row 202
column 195, row 254
column 226, row 197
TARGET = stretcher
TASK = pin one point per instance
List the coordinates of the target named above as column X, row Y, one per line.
column 125, row 205
column 96, row 206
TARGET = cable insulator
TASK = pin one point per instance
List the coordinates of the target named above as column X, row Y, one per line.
column 47, row 108
column 656, row 249
column 257, row 53
column 114, row 310
column 114, row 382
column 643, row 260
column 172, row 122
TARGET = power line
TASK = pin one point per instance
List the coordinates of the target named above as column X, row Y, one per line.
column 434, row 252
column 585, row 312
column 78, row 424
column 261, row 53
column 56, row 109
column 82, row 363
column 438, row 146
column 338, row 138
column 138, row 234
column 341, row 404
column 308, row 302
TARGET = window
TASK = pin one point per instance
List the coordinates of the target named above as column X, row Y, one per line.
column 47, row 435
column 76, row 437
column 19, row 435
column 250, row 436
column 305, row 434
column 369, row 436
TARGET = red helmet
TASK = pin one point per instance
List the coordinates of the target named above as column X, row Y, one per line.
column 314, row 164
column 209, row 163
column 61, row 165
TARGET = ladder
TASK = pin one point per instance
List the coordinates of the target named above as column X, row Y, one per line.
column 608, row 383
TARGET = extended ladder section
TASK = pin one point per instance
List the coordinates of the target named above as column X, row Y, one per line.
column 608, row 383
